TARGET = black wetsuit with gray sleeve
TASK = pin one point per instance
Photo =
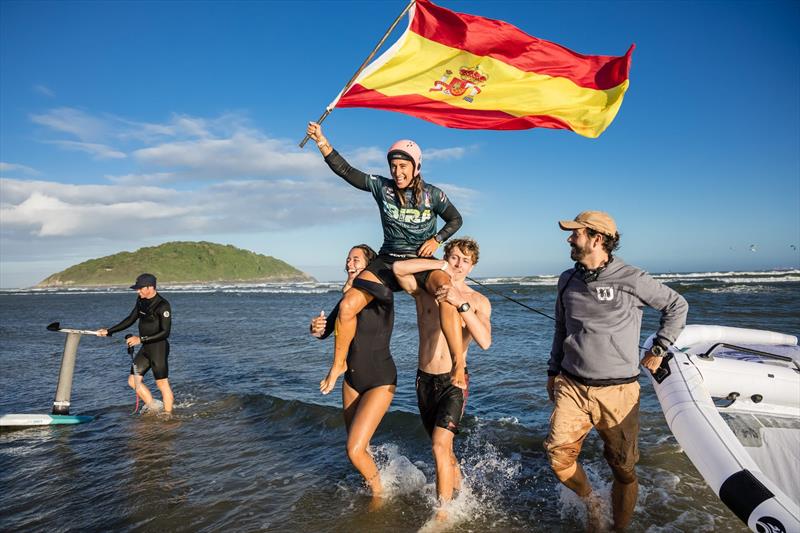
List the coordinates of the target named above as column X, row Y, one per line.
column 155, row 322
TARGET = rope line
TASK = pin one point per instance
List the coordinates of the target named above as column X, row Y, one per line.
column 529, row 308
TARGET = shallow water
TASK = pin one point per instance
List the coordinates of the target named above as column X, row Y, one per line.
column 254, row 446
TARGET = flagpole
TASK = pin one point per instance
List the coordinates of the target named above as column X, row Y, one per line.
column 363, row 65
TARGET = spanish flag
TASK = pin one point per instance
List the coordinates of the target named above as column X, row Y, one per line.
column 469, row 72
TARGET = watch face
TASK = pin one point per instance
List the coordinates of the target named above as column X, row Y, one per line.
column 463, row 308
column 657, row 350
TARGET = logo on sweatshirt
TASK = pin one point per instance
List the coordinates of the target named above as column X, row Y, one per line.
column 605, row 294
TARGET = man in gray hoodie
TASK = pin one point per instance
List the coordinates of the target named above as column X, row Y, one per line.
column 594, row 361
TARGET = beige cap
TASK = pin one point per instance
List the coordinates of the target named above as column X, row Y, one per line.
column 596, row 220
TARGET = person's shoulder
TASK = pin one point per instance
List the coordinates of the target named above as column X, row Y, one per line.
column 566, row 275
column 163, row 302
column 480, row 299
column 432, row 188
column 435, row 194
column 379, row 184
column 621, row 268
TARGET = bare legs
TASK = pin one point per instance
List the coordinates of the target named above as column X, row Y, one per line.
column 353, row 301
column 362, row 415
column 574, row 477
column 448, row 473
column 136, row 383
column 166, row 393
column 624, row 493
column 451, row 328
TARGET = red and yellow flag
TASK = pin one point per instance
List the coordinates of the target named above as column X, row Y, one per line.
column 470, row 72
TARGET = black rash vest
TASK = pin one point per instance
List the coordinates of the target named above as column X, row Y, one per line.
column 405, row 229
column 154, row 316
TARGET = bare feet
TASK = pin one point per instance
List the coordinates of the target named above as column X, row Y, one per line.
column 376, row 502
column 327, row 384
column 375, row 486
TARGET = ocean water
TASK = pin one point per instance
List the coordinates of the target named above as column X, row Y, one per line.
column 254, row 446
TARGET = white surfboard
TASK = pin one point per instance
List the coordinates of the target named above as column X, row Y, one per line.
column 41, row 420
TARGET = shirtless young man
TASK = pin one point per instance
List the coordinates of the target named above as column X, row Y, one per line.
column 441, row 402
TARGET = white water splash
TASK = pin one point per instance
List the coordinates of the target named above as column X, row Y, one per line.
column 398, row 474
column 486, row 474
column 574, row 508
column 153, row 409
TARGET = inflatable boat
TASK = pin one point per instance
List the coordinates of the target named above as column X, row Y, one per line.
column 731, row 397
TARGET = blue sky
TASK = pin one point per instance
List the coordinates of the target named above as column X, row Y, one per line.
column 128, row 124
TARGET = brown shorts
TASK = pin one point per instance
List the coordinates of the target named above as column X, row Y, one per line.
column 612, row 410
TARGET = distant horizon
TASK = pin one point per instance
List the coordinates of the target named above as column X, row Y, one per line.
column 776, row 270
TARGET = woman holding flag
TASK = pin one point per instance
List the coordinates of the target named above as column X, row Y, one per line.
column 409, row 208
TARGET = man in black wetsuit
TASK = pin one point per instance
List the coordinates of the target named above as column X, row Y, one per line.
column 155, row 320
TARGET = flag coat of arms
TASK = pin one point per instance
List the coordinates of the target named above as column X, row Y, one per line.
column 470, row 72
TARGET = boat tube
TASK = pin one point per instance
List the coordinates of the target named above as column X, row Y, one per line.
column 731, row 397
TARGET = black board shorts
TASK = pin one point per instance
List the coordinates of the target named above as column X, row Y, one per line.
column 440, row 402
column 381, row 266
column 153, row 356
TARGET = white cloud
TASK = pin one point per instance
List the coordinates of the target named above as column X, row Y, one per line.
column 433, row 154
column 98, row 151
column 14, row 192
column 185, row 147
column 141, row 179
column 48, row 216
column 13, row 167
column 45, row 209
column 73, row 121
column 241, row 155
column 44, row 90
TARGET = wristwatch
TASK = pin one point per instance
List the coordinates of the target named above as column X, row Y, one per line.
column 657, row 350
column 463, row 308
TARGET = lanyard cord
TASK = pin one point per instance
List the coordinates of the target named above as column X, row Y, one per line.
column 529, row 308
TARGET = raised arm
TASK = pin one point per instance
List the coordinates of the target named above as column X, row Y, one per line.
column 336, row 162
column 404, row 272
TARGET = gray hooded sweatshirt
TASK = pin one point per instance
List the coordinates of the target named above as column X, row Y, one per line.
column 598, row 323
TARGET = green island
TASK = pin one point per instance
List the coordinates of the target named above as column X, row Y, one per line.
column 178, row 263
